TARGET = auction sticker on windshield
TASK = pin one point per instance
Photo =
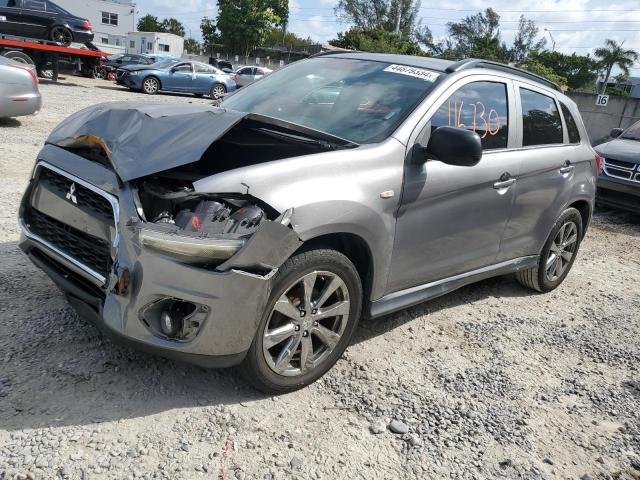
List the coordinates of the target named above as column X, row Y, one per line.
column 427, row 75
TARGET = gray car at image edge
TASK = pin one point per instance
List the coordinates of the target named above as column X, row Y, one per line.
column 343, row 186
column 19, row 93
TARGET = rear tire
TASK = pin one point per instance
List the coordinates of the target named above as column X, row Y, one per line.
column 20, row 57
column 302, row 323
column 61, row 35
column 557, row 256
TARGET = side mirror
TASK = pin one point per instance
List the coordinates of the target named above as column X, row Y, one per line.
column 454, row 146
column 616, row 132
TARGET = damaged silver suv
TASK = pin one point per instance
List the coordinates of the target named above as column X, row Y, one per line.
column 342, row 186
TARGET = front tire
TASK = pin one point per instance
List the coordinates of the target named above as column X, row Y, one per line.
column 312, row 312
column 150, row 85
column 557, row 256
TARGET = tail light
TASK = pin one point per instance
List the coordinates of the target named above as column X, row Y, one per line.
column 598, row 163
column 233, row 77
column 86, row 25
column 31, row 71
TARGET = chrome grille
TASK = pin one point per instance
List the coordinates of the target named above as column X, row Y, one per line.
column 91, row 254
column 621, row 169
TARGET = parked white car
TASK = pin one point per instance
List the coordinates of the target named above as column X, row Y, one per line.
column 19, row 93
column 247, row 75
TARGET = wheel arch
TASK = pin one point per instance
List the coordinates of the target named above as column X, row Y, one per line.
column 354, row 247
column 585, row 210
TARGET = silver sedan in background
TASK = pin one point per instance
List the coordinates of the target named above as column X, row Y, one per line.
column 247, row 75
column 19, row 93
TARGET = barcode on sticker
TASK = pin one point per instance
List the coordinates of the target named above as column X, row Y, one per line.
column 427, row 75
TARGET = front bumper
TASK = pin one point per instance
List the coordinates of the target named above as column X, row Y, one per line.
column 233, row 300
column 621, row 194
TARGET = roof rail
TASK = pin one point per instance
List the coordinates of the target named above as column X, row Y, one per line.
column 477, row 63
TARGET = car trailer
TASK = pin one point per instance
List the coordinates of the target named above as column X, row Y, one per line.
column 46, row 56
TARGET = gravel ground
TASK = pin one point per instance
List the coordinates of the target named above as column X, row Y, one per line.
column 489, row 382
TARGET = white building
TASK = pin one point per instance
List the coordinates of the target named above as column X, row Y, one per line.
column 112, row 20
column 155, row 42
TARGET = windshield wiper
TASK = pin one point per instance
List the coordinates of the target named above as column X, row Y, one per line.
column 299, row 138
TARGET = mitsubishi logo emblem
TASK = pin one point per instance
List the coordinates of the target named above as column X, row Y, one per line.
column 71, row 195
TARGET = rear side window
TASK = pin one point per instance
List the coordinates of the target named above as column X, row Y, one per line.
column 541, row 124
column 572, row 128
column 481, row 107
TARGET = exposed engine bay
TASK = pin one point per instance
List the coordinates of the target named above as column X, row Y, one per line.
column 198, row 228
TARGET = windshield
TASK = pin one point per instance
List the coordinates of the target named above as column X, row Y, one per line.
column 632, row 133
column 164, row 64
column 358, row 100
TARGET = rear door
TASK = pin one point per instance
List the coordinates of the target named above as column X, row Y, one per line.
column 10, row 20
column 547, row 162
column 205, row 77
column 36, row 20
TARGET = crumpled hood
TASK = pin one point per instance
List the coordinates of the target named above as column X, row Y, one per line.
column 620, row 149
column 141, row 138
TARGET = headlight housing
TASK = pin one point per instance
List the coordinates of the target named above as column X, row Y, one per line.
column 190, row 249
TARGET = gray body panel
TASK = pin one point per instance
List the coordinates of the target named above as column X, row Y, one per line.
column 18, row 93
column 429, row 227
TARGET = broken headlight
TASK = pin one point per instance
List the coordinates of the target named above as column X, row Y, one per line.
column 199, row 229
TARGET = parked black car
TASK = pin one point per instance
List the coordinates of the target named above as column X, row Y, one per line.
column 43, row 19
column 619, row 181
column 116, row 61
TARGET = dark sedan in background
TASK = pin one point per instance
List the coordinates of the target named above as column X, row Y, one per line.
column 177, row 76
column 43, row 19
column 619, row 181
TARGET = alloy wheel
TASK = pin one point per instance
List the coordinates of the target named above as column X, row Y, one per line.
column 562, row 250
column 150, row 86
column 306, row 323
column 61, row 35
column 218, row 91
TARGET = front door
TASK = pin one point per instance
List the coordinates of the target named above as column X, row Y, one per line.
column 180, row 78
column 36, row 21
column 451, row 219
column 10, row 22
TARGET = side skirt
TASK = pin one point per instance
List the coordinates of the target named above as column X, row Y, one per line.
column 412, row 296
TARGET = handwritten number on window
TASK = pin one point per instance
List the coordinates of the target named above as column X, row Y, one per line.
column 481, row 121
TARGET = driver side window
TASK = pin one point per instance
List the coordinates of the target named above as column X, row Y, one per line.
column 481, row 107
column 183, row 67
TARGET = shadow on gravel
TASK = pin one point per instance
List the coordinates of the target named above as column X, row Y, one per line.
column 610, row 218
column 9, row 123
column 161, row 94
column 58, row 370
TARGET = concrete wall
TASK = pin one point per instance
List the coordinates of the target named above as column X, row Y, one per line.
column 620, row 112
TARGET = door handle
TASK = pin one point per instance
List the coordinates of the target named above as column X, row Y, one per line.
column 504, row 183
column 567, row 168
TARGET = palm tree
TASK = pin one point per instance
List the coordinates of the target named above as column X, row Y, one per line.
column 613, row 54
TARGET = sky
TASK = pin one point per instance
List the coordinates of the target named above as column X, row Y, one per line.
column 576, row 25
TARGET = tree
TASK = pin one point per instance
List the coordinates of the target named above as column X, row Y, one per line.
column 379, row 41
column 614, row 54
column 538, row 68
column 171, row 25
column 276, row 37
column 191, row 45
column 476, row 36
column 580, row 71
column 377, row 15
column 209, row 32
column 149, row 23
column 245, row 24
column 525, row 41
